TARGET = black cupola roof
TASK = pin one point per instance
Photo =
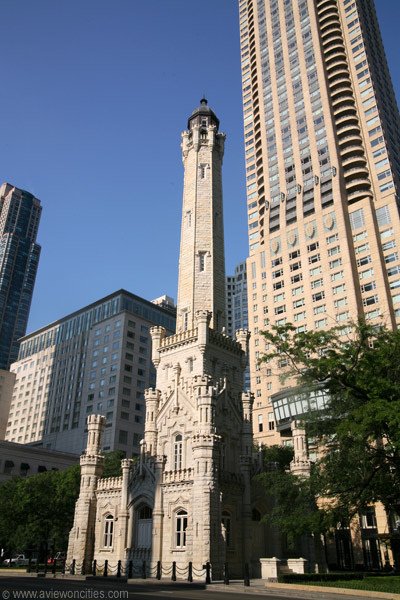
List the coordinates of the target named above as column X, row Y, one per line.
column 203, row 111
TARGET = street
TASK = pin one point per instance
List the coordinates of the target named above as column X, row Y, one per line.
column 24, row 587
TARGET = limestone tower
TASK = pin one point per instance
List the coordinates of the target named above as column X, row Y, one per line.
column 198, row 421
column 202, row 264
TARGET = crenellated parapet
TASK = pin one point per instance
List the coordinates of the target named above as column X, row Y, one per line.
column 200, row 440
column 178, row 476
column 109, row 483
column 182, row 338
column 203, row 385
column 225, row 342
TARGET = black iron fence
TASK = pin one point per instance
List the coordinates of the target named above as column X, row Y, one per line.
column 132, row 569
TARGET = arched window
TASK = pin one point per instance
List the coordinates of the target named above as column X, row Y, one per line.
column 181, row 521
column 178, row 452
column 108, row 531
column 226, row 522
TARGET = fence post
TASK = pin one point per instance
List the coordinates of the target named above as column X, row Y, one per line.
column 226, row 574
column 144, row 574
column 173, row 577
column 72, row 567
column 208, row 572
column 105, row 574
column 130, row 570
column 119, row 569
column 158, row 569
column 190, row 572
column 246, row 574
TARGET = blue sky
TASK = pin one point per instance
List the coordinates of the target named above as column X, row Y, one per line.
column 94, row 96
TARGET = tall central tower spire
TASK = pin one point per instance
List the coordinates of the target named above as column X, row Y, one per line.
column 201, row 283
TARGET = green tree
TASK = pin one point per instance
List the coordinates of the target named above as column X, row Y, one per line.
column 359, row 429
column 112, row 463
column 37, row 512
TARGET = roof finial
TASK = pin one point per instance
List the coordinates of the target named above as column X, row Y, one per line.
column 203, row 101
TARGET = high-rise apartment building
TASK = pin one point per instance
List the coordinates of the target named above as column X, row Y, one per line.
column 322, row 145
column 236, row 307
column 236, row 300
column 19, row 258
column 96, row 360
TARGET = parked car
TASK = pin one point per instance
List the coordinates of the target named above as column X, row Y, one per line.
column 19, row 560
column 59, row 557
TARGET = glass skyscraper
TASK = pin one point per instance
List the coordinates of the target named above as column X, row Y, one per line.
column 19, row 258
column 321, row 128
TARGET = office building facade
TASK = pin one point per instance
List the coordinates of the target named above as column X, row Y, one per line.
column 19, row 258
column 96, row 360
column 237, row 308
column 321, row 129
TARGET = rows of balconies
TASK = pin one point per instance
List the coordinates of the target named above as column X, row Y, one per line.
column 354, row 163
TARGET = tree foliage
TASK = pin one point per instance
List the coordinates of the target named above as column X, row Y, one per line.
column 37, row 512
column 358, row 434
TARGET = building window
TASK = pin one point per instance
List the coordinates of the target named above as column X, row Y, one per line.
column 108, row 531
column 260, row 423
column 181, row 522
column 226, row 522
column 368, row 518
column 202, row 261
column 178, row 452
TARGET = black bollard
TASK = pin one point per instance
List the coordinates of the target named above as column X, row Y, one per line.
column 130, row 570
column 173, row 576
column 144, row 574
column 246, row 574
column 94, row 571
column 158, row 569
column 105, row 574
column 54, row 569
column 208, row 572
column 226, row 574
column 72, row 567
column 63, row 566
column 83, row 568
column 190, row 572
column 119, row 569
column 29, row 565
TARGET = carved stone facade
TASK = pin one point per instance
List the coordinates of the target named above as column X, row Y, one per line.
column 188, row 498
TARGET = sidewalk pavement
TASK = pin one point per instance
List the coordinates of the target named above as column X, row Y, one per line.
column 257, row 586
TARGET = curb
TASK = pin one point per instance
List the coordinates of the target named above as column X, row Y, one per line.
column 333, row 590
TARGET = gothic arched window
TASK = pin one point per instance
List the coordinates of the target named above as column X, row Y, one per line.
column 178, row 452
column 181, row 521
column 108, row 531
column 226, row 522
